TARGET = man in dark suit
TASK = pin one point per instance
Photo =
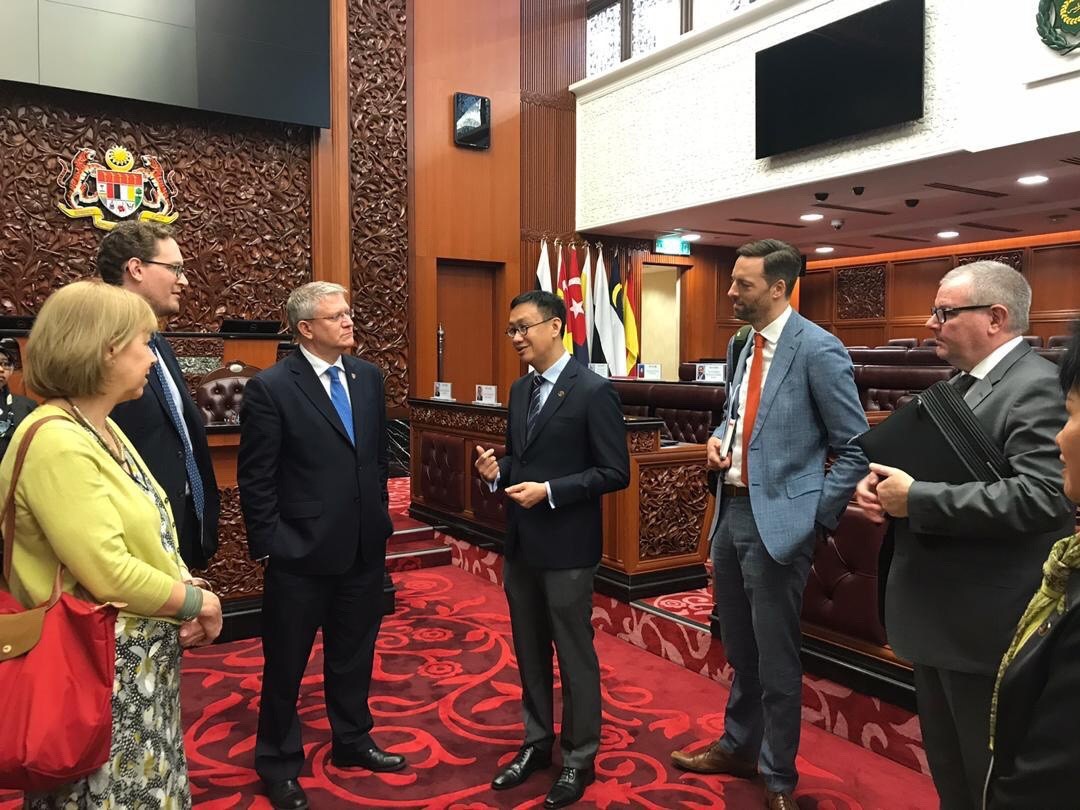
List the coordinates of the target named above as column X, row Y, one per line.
column 312, row 471
column 793, row 400
column 164, row 424
column 13, row 407
column 565, row 448
column 967, row 557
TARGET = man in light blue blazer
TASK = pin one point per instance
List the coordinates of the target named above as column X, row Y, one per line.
column 791, row 401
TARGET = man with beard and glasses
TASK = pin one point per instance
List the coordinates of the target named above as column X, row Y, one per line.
column 792, row 402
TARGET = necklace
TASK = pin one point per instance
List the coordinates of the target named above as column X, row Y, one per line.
column 113, row 447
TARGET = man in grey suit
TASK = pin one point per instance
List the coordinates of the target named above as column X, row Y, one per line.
column 792, row 400
column 966, row 558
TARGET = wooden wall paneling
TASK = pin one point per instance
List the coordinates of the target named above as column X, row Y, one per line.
column 1055, row 282
column 864, row 335
column 816, row 297
column 378, row 182
column 242, row 189
column 914, row 286
column 466, row 203
column 1051, row 327
column 330, row 245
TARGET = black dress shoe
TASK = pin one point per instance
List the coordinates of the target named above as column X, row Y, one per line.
column 528, row 760
column 372, row 758
column 285, row 794
column 569, row 787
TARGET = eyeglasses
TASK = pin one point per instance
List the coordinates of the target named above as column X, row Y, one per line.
column 176, row 269
column 343, row 314
column 7, row 364
column 523, row 330
column 942, row 313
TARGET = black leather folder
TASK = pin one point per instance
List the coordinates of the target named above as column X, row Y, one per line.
column 935, row 437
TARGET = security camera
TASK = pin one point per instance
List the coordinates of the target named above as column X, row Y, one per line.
column 858, row 190
column 821, row 196
column 837, row 224
column 911, row 203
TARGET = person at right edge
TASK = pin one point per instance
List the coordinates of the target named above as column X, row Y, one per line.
column 793, row 401
column 966, row 558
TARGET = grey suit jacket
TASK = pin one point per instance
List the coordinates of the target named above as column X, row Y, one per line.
column 809, row 406
column 968, row 557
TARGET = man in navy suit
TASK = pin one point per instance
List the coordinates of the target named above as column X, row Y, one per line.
column 791, row 401
column 565, row 448
column 165, row 424
column 312, row 472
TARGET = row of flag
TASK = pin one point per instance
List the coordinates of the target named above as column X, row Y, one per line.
column 601, row 325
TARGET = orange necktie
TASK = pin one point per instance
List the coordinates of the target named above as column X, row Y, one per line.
column 753, row 397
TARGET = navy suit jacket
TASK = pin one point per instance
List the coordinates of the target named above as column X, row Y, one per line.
column 311, row 500
column 146, row 423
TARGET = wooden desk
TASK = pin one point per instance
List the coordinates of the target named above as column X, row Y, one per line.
column 653, row 540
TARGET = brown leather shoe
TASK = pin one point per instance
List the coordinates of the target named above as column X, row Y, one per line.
column 780, row 801
column 714, row 759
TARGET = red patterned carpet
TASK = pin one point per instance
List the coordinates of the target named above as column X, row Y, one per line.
column 446, row 695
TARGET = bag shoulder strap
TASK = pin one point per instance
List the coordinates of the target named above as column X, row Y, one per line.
column 7, row 520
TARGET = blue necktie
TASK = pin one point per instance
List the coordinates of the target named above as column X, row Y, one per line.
column 193, row 476
column 341, row 401
column 534, row 404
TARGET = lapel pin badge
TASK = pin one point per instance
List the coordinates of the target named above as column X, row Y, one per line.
column 353, row 375
column 562, row 393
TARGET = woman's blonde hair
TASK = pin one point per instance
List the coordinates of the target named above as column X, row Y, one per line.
column 77, row 325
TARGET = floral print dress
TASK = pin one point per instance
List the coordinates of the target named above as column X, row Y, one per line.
column 146, row 767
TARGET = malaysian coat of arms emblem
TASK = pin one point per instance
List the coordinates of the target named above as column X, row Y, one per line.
column 1058, row 24
column 116, row 190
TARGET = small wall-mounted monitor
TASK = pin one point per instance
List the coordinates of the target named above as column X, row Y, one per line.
column 472, row 121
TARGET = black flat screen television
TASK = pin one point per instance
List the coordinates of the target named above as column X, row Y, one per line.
column 472, row 121
column 857, row 74
column 259, row 58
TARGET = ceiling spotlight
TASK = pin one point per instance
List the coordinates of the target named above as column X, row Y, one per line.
column 824, row 249
column 691, row 237
column 911, row 203
column 948, row 234
column 858, row 190
column 1032, row 179
column 821, row 196
column 811, row 217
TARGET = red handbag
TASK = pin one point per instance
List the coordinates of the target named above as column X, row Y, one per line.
column 57, row 666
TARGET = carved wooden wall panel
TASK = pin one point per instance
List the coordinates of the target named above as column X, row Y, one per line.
column 1013, row 258
column 673, row 500
column 232, row 572
column 860, row 292
column 243, row 191
column 377, row 157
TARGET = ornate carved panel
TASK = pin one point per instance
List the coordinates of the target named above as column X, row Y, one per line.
column 860, row 292
column 377, row 158
column 672, row 507
column 232, row 573
column 643, row 441
column 1013, row 258
column 197, row 347
column 243, row 191
column 492, row 424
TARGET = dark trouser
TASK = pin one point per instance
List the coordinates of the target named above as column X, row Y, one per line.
column 759, row 601
column 954, row 712
column 555, row 607
column 189, row 531
column 348, row 607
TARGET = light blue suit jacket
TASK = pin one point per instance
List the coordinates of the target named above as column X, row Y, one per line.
column 809, row 406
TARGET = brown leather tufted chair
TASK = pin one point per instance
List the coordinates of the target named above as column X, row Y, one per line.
column 220, row 392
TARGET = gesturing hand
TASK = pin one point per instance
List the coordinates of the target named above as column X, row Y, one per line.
column 527, row 494
column 486, row 465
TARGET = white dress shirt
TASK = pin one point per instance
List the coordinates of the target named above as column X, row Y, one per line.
column 322, row 371
column 986, row 365
column 770, row 334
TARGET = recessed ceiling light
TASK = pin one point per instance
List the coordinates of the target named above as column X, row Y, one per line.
column 1032, row 179
column 691, row 237
column 824, row 249
column 811, row 217
column 948, row 234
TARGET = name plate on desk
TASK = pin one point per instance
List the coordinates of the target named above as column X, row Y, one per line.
column 648, row 371
column 711, row 372
column 485, row 395
column 443, row 390
column 599, row 368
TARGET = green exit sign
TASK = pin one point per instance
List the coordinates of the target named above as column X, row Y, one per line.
column 673, row 245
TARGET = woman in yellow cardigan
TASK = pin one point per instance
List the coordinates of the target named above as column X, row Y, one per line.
column 84, row 499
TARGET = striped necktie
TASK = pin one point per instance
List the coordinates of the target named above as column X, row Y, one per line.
column 198, row 496
column 534, row 404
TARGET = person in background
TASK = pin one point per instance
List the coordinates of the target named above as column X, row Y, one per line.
column 165, row 424
column 86, row 501
column 1036, row 700
column 13, row 407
